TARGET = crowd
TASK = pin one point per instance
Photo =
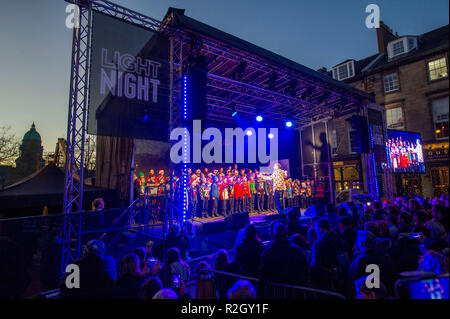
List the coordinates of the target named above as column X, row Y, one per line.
column 330, row 251
column 222, row 193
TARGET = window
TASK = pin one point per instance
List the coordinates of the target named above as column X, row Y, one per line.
column 394, row 118
column 344, row 71
column 334, row 142
column 440, row 118
column 401, row 46
column 398, row 48
column 437, row 69
column 390, row 82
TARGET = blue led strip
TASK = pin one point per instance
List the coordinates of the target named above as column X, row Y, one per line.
column 184, row 181
column 374, row 168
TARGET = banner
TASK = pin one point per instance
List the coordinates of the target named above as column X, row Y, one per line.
column 129, row 80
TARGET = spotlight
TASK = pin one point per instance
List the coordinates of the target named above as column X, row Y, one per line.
column 249, row 133
column 270, row 135
column 288, row 124
column 259, row 118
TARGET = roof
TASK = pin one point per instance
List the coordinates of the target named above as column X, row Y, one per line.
column 32, row 134
column 429, row 43
column 44, row 187
column 184, row 21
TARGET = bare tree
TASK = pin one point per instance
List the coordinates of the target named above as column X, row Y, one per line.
column 90, row 153
column 9, row 146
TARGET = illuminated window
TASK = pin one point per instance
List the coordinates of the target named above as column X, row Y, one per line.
column 437, row 69
column 344, row 71
column 440, row 118
column 394, row 118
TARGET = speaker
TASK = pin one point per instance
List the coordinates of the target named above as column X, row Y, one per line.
column 196, row 89
column 237, row 220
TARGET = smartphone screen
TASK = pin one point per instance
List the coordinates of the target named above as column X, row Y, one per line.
column 176, row 281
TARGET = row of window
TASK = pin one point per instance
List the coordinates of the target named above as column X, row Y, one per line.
column 440, row 110
column 437, row 69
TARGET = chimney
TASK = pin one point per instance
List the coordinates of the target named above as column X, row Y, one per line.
column 384, row 35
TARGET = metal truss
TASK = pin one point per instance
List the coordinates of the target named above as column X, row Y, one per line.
column 76, row 134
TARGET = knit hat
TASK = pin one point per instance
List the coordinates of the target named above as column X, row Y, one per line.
column 141, row 174
column 94, row 247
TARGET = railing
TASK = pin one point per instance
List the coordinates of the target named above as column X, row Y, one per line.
column 269, row 290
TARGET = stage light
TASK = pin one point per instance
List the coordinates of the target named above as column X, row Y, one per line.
column 270, row 135
column 259, row 118
column 249, row 133
column 288, row 124
column 233, row 110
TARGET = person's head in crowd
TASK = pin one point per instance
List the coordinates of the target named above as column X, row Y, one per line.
column 363, row 292
column 342, row 211
column 365, row 240
column 201, row 267
column 330, row 208
column 404, row 222
column 354, row 211
column 129, row 265
column 242, row 289
column 94, row 247
column 437, row 230
column 293, row 214
column 345, row 223
column 299, row 241
column 420, row 217
column 439, row 212
column 98, row 204
column 377, row 205
column 250, row 234
column 372, row 227
column 280, row 232
column 141, row 252
column 391, row 220
column 221, row 260
column 311, row 235
column 272, row 228
column 383, row 229
column 393, row 210
column 165, row 293
column 413, row 205
column 150, row 287
column 322, row 226
column 172, row 255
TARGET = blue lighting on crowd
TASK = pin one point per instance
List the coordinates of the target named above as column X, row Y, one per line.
column 288, row 124
column 259, row 118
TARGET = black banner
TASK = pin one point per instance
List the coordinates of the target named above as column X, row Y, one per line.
column 129, row 80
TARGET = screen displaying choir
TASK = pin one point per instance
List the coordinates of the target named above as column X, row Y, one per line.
column 219, row 193
column 404, row 154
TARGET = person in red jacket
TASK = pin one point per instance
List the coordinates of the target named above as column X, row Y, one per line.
column 238, row 194
column 246, row 194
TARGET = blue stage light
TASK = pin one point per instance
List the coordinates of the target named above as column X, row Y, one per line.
column 270, row 135
column 259, row 118
column 288, row 124
column 234, row 113
column 249, row 133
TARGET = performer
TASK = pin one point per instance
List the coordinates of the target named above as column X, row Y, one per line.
column 279, row 185
column 238, row 193
column 252, row 192
column 230, row 185
column 224, row 196
column 193, row 194
column 204, row 196
column 215, row 194
column 260, row 192
column 246, row 194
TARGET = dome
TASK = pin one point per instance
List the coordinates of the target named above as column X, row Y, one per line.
column 32, row 134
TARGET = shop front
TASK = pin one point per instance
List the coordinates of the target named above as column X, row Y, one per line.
column 436, row 165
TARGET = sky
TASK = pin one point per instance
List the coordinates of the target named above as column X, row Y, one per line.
column 35, row 45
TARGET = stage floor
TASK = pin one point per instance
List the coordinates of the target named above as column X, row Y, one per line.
column 254, row 218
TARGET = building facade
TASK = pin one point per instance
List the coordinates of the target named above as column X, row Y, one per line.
column 409, row 79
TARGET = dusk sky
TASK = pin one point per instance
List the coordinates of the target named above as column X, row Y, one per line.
column 36, row 45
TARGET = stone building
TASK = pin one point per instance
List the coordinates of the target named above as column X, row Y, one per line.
column 409, row 78
column 31, row 150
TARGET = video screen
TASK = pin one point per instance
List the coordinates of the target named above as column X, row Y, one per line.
column 404, row 152
column 429, row 289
